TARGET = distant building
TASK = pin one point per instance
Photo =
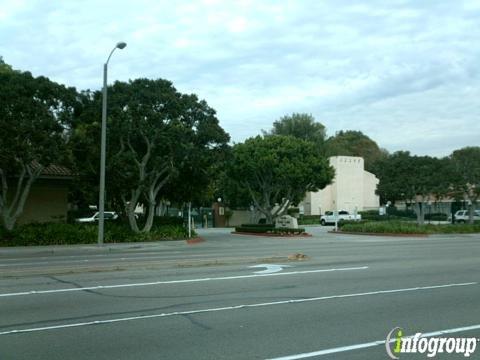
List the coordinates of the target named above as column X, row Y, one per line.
column 353, row 189
column 48, row 197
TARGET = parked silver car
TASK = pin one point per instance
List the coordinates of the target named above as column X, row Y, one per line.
column 462, row 216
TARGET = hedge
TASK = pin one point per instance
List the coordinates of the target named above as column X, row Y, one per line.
column 68, row 234
column 267, row 229
column 403, row 227
column 309, row 219
column 436, row 217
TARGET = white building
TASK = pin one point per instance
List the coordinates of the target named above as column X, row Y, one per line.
column 353, row 189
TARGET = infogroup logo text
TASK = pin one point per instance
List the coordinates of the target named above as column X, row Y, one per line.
column 397, row 344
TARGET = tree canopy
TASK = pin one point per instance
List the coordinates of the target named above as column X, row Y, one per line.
column 277, row 171
column 466, row 175
column 33, row 117
column 161, row 144
column 355, row 143
column 414, row 179
column 300, row 126
column 4, row 67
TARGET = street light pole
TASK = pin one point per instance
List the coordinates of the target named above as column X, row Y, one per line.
column 103, row 149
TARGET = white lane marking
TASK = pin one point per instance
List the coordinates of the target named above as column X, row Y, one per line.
column 372, row 344
column 235, row 307
column 270, row 268
column 36, row 292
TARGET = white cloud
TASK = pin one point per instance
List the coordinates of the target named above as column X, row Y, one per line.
column 383, row 67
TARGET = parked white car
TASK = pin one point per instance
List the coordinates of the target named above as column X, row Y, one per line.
column 343, row 215
column 462, row 216
column 108, row 215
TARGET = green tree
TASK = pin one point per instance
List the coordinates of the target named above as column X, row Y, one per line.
column 413, row 179
column 277, row 171
column 466, row 178
column 300, row 126
column 33, row 117
column 161, row 145
column 355, row 143
column 4, row 67
column 84, row 144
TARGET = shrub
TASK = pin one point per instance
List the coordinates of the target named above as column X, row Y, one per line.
column 168, row 220
column 392, row 214
column 384, row 227
column 454, row 228
column 267, row 229
column 436, row 217
column 289, row 231
column 309, row 219
column 372, row 215
column 406, row 214
column 255, row 228
column 67, row 234
column 403, row 227
column 266, row 226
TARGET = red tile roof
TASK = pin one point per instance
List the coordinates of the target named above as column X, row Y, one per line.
column 57, row 170
column 53, row 170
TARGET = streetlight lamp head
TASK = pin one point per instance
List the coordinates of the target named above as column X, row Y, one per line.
column 121, row 45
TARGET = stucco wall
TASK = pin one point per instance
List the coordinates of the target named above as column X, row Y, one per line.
column 371, row 199
column 47, row 202
column 352, row 189
column 348, row 187
column 240, row 217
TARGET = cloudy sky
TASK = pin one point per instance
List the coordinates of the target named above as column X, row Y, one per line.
column 406, row 73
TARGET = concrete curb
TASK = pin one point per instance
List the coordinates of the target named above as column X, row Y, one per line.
column 376, row 234
column 272, row 235
column 195, row 240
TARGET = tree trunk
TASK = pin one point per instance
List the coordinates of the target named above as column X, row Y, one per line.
column 11, row 212
column 282, row 208
column 151, row 212
column 130, row 209
column 420, row 213
column 7, row 221
column 269, row 218
column 132, row 220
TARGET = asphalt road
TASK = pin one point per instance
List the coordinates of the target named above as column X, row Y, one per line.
column 206, row 301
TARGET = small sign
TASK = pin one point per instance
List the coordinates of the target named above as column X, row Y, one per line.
column 286, row 221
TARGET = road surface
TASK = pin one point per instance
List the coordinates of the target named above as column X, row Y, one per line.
column 212, row 300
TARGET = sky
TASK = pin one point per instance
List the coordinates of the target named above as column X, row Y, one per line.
column 405, row 73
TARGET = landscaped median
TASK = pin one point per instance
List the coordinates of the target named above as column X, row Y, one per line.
column 69, row 234
column 407, row 228
column 268, row 230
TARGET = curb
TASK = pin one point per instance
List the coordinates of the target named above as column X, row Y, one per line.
column 377, row 234
column 195, row 240
column 272, row 235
